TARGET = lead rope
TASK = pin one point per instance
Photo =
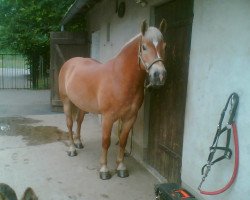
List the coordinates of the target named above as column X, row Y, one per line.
column 234, row 98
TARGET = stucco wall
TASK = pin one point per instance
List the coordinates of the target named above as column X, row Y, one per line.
column 219, row 65
column 121, row 29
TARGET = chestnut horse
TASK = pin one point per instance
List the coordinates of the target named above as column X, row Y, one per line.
column 114, row 89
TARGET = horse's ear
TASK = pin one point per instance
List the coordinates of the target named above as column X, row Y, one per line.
column 144, row 27
column 163, row 26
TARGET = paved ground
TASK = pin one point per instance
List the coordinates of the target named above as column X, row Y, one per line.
column 24, row 102
column 33, row 146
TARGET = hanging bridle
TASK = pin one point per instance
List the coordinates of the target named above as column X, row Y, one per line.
column 234, row 100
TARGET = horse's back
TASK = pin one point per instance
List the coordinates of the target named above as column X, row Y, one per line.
column 79, row 62
column 73, row 66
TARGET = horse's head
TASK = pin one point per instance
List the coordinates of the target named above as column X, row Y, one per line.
column 151, row 53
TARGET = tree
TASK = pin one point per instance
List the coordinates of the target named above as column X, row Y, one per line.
column 25, row 27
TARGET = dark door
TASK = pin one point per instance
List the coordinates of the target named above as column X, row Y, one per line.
column 167, row 104
column 63, row 46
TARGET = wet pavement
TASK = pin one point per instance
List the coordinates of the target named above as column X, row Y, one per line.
column 32, row 135
column 33, row 153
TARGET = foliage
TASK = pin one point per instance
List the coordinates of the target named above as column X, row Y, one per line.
column 25, row 26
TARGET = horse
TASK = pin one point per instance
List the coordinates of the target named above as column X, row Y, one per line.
column 114, row 89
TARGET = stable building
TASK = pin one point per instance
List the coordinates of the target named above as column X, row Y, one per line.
column 207, row 58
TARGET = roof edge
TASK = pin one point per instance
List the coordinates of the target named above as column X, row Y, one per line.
column 72, row 11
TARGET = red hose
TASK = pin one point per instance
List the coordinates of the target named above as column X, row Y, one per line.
column 236, row 165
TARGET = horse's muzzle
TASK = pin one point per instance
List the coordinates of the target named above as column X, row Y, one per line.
column 157, row 78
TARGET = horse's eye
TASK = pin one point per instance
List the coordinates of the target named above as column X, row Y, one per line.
column 144, row 48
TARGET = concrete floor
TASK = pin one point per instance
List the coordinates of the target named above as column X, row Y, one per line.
column 33, row 145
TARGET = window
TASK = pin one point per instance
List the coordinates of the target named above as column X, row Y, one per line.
column 108, row 32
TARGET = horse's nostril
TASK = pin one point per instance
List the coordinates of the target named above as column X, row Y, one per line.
column 156, row 74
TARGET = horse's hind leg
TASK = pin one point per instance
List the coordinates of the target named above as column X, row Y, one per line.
column 68, row 108
column 80, row 117
column 126, row 127
column 107, row 124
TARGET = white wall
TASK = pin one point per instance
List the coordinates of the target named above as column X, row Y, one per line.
column 95, row 45
column 219, row 65
column 121, row 29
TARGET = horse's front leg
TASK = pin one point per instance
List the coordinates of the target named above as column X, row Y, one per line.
column 126, row 127
column 107, row 124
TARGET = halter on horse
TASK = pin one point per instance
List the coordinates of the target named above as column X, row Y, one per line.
column 114, row 89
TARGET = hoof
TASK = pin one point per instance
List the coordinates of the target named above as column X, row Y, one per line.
column 122, row 173
column 79, row 145
column 105, row 175
column 72, row 153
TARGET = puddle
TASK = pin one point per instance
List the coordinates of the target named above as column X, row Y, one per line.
column 4, row 127
column 32, row 135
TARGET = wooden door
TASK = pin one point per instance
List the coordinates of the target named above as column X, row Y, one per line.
column 167, row 104
column 63, row 46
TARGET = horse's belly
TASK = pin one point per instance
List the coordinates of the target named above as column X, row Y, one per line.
column 92, row 108
column 84, row 102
